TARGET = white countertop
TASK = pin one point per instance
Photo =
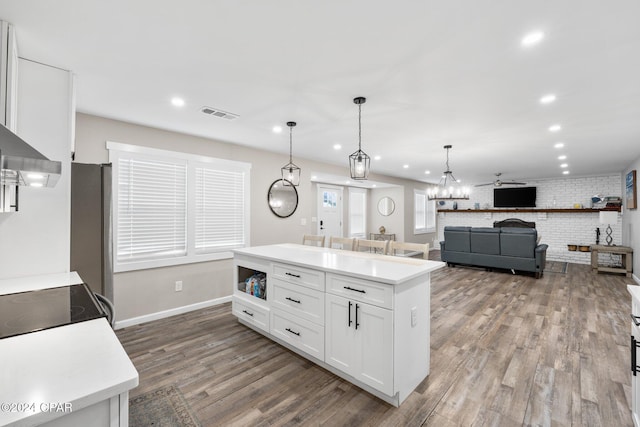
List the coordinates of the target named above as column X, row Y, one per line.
column 382, row 268
column 81, row 364
column 43, row 281
column 634, row 290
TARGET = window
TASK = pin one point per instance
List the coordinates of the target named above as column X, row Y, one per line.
column 424, row 213
column 357, row 212
column 175, row 208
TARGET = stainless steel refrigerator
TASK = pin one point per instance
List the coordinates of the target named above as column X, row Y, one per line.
column 91, row 240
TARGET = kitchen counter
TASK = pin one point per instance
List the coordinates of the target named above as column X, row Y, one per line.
column 79, row 372
column 387, row 269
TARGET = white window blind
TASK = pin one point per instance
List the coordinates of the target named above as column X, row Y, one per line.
column 220, row 210
column 357, row 212
column 431, row 215
column 420, row 211
column 151, row 209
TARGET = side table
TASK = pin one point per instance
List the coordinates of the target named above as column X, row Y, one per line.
column 626, row 256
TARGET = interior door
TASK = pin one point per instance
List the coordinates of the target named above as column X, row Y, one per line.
column 329, row 210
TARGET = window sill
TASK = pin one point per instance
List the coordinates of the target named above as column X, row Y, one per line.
column 170, row 262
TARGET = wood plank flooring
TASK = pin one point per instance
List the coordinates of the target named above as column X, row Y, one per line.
column 506, row 350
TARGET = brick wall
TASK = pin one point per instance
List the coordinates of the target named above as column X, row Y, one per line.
column 557, row 229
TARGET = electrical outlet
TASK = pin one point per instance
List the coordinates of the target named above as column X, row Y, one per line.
column 414, row 316
column 179, row 286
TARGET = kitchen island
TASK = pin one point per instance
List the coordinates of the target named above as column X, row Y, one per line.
column 363, row 316
column 72, row 375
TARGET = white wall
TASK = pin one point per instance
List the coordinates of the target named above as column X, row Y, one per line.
column 144, row 292
column 394, row 223
column 631, row 221
column 35, row 240
column 557, row 229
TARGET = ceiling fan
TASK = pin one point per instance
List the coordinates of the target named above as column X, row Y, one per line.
column 499, row 183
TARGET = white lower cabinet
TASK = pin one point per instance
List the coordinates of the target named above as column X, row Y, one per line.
column 359, row 341
column 300, row 333
column 635, row 361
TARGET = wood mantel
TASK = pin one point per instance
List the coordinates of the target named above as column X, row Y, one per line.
column 567, row 210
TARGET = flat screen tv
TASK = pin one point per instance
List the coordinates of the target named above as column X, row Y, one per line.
column 514, row 197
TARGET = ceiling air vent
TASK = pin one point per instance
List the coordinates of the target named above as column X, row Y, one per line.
column 219, row 113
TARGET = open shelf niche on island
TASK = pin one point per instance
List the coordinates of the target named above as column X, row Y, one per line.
column 251, row 277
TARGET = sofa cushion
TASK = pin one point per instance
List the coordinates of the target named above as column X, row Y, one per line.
column 519, row 242
column 457, row 239
column 485, row 240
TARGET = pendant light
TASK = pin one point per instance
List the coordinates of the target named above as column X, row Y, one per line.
column 359, row 161
column 290, row 172
column 448, row 188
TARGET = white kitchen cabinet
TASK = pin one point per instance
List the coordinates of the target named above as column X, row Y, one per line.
column 364, row 317
column 634, row 290
column 359, row 341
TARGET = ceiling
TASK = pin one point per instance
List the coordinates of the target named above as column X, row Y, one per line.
column 433, row 73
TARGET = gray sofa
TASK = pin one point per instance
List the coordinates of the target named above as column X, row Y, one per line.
column 500, row 247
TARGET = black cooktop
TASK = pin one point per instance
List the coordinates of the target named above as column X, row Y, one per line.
column 32, row 311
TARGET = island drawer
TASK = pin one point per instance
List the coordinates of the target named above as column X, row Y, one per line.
column 375, row 293
column 298, row 300
column 313, row 279
column 300, row 333
column 250, row 312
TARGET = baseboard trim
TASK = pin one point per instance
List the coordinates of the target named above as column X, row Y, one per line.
column 171, row 312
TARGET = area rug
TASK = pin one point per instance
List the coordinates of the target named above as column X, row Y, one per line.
column 556, row 267
column 164, row 407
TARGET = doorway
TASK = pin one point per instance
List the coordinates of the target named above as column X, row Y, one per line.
column 329, row 210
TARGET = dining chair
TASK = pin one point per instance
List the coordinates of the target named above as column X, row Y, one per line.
column 346, row 243
column 375, row 246
column 408, row 249
column 313, row 240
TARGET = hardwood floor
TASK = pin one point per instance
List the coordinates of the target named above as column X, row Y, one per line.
column 506, row 350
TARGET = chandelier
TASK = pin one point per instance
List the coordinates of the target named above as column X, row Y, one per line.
column 359, row 161
column 448, row 188
column 290, row 172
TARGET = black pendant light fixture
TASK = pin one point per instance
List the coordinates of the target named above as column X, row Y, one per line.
column 359, row 161
column 448, row 188
column 290, row 172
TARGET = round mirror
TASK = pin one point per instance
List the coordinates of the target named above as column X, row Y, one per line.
column 386, row 206
column 283, row 199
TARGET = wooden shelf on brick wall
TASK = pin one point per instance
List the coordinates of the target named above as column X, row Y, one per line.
column 568, row 210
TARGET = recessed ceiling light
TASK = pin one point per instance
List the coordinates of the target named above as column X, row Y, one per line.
column 337, row 146
column 377, row 158
column 347, row 182
column 555, row 128
column 565, row 172
column 559, row 145
column 564, row 165
column 35, row 176
column 36, row 184
column 405, row 166
column 314, row 177
column 563, row 157
column 374, row 186
column 177, row 102
column 277, row 129
column 532, row 39
column 427, row 172
column 547, row 99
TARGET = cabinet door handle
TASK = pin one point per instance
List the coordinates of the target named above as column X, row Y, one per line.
column 293, row 300
column 634, row 361
column 350, row 321
column 635, row 319
column 246, row 312
column 292, row 275
column 293, row 332
column 357, row 323
column 349, row 288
